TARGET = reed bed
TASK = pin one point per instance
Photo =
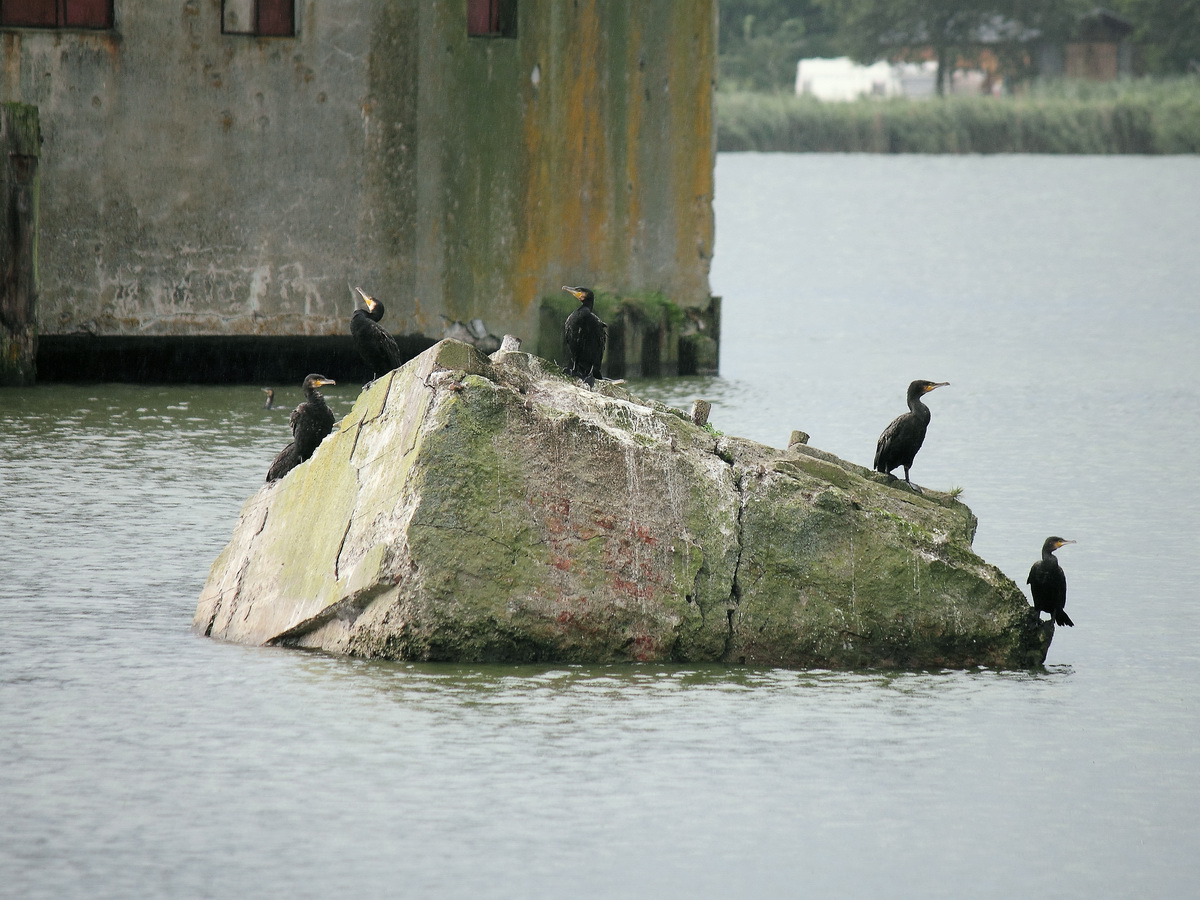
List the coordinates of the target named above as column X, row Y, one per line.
column 1140, row 116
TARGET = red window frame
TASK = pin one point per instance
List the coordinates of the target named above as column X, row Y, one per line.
column 492, row 18
column 56, row 13
column 483, row 17
column 271, row 18
column 276, row 18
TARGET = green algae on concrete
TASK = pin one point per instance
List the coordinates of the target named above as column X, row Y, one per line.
column 473, row 509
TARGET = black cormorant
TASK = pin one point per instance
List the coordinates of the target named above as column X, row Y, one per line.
column 1048, row 584
column 284, row 462
column 585, row 336
column 311, row 421
column 900, row 441
column 270, row 403
column 377, row 348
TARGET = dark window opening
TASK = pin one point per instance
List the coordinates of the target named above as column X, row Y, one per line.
column 492, row 18
column 260, row 18
column 57, row 13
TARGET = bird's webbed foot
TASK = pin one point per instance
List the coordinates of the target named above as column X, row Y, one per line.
column 908, row 481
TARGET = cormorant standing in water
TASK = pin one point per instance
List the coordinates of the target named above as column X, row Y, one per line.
column 377, row 348
column 1048, row 584
column 270, row 392
column 585, row 336
column 311, row 421
column 900, row 441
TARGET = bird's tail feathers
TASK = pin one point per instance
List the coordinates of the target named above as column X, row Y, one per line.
column 1061, row 618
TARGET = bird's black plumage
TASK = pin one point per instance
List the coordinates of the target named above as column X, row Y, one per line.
column 900, row 441
column 285, row 460
column 311, row 421
column 377, row 348
column 1048, row 583
column 270, row 401
column 585, row 337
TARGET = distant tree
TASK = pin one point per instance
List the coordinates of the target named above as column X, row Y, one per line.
column 947, row 30
column 762, row 40
column 1167, row 33
column 912, row 29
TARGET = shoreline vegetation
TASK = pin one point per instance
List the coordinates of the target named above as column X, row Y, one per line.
column 1160, row 116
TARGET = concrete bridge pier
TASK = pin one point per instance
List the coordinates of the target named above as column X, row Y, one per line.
column 19, row 149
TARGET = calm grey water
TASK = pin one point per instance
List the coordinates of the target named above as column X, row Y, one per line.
column 1058, row 297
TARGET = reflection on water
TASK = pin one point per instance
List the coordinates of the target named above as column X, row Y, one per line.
column 1056, row 297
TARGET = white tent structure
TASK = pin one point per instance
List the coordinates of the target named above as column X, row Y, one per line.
column 844, row 79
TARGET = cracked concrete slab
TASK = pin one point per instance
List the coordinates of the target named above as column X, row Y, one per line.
column 476, row 509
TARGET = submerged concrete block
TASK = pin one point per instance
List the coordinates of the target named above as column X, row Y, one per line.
column 477, row 510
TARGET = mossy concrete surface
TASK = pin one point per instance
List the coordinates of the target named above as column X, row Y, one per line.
column 476, row 509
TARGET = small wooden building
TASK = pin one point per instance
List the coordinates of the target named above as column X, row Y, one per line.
column 1100, row 50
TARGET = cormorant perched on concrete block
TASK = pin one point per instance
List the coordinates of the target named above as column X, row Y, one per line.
column 1048, row 583
column 311, row 421
column 585, row 336
column 377, row 348
column 900, row 441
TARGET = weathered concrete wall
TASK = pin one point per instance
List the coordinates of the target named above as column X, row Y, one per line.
column 195, row 182
column 584, row 152
column 19, row 147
